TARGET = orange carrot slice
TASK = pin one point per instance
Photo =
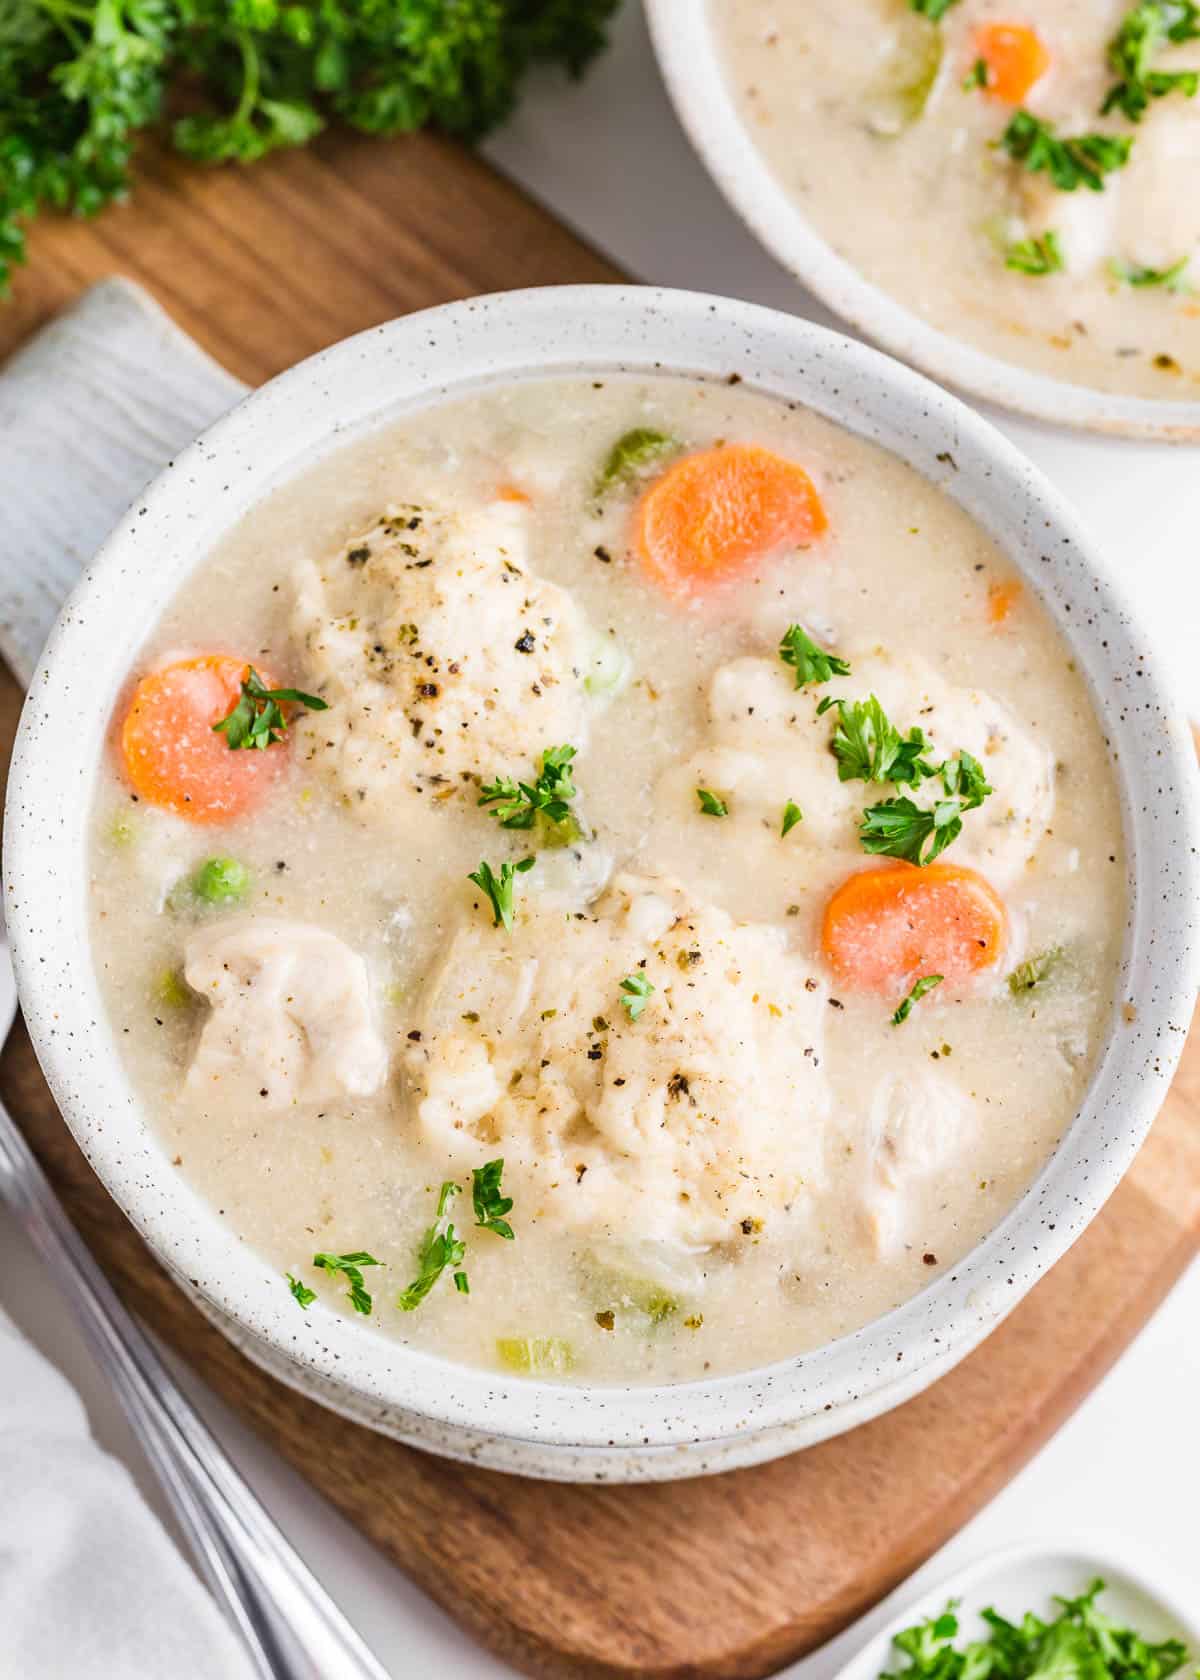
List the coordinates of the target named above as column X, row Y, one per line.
column 712, row 513
column 1001, row 599
column 513, row 493
column 894, row 922
column 172, row 755
column 1016, row 58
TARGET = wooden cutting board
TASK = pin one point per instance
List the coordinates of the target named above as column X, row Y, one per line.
column 731, row 1576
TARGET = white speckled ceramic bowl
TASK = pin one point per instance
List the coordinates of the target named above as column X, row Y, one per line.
column 617, row 1433
column 689, row 58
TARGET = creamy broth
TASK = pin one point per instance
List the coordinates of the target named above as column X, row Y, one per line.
column 858, row 1158
column 871, row 118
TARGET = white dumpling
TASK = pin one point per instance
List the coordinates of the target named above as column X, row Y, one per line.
column 917, row 1123
column 444, row 659
column 290, row 1016
column 709, row 1109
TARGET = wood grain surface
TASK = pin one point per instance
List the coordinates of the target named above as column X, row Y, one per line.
column 731, row 1576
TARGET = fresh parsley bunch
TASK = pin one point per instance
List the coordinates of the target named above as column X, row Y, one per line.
column 239, row 78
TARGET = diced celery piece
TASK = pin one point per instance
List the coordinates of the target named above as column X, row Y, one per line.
column 551, row 834
column 609, row 668
column 908, row 77
column 536, row 1356
column 637, row 1294
column 172, row 991
column 630, row 455
column 121, row 832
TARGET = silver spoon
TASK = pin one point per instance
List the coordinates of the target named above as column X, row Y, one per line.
column 291, row 1627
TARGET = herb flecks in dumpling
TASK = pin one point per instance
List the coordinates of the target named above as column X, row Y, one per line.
column 674, row 1120
column 445, row 660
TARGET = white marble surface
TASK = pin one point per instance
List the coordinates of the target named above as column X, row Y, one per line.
column 610, row 158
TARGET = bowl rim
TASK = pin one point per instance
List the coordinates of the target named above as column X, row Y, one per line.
column 684, row 44
column 367, row 381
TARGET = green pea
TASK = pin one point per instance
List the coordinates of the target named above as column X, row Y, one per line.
column 222, row 880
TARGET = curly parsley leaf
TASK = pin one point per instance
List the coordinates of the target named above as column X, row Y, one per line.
column 79, row 79
column 1172, row 279
column 439, row 1251
column 869, row 748
column 498, row 889
column 711, row 804
column 1144, row 31
column 1081, row 1642
column 631, row 455
column 925, row 984
column 257, row 719
column 900, row 828
column 1042, row 254
column 1080, row 160
column 546, row 801
column 637, row 990
column 300, row 1291
column 350, row 1266
column 812, row 664
column 490, row 1204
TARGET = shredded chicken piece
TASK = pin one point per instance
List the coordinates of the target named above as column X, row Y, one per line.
column 291, row 1020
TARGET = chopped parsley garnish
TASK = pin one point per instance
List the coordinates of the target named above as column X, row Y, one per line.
column 350, row 1267
column 934, row 10
column 1081, row 1642
column 1170, row 279
column 1033, row 971
column 1080, row 160
column 978, row 76
column 257, row 718
column 440, row 1250
column 300, row 1291
column 900, row 828
column 792, row 814
column 631, row 453
column 711, row 804
column 1149, row 26
column 636, row 989
column 499, row 888
column 1041, row 254
column 490, row 1205
column 811, row 663
column 548, row 798
column 925, row 984
column 869, row 748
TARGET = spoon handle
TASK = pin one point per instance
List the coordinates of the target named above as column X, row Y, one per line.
column 291, row 1628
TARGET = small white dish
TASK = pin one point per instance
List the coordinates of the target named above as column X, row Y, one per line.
column 1028, row 1577
column 689, row 57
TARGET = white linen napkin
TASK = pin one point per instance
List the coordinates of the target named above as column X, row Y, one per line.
column 91, row 1586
